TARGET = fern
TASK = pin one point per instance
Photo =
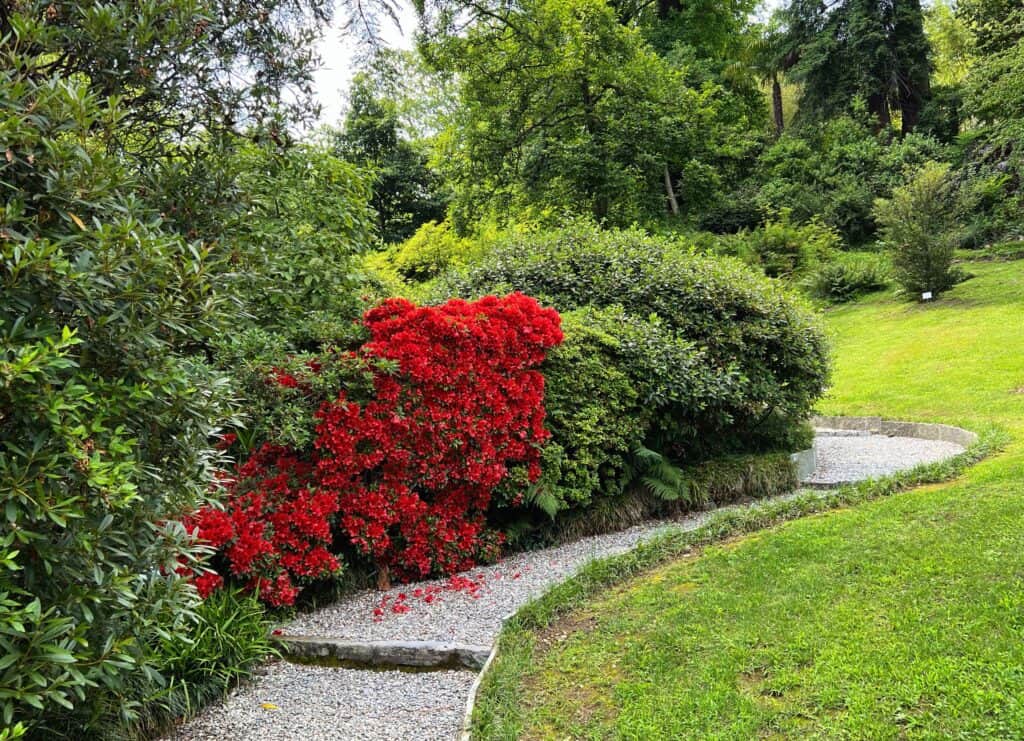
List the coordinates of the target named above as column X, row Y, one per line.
column 658, row 475
column 539, row 496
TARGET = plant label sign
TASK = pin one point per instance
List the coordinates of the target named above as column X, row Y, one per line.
column 926, row 296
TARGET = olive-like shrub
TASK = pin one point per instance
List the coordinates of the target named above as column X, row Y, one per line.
column 666, row 353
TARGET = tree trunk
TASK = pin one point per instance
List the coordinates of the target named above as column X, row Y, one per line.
column 673, row 204
column 878, row 107
column 777, row 113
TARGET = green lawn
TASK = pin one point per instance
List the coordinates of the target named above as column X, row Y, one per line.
column 900, row 617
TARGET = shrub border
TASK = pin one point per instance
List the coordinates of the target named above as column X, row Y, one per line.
column 501, row 678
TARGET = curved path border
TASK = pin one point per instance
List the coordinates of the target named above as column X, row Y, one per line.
column 893, row 428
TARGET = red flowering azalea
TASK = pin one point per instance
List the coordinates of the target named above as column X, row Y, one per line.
column 274, row 528
column 408, row 475
column 414, row 469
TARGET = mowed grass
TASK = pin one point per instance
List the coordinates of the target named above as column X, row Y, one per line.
column 899, row 618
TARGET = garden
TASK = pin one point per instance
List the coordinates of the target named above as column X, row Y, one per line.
column 570, row 279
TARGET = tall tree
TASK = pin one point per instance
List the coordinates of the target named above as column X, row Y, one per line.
column 407, row 192
column 565, row 109
column 874, row 50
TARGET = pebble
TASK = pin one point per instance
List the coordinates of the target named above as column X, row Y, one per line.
column 848, row 458
column 295, row 702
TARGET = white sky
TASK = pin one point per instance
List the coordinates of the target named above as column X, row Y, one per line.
column 338, row 51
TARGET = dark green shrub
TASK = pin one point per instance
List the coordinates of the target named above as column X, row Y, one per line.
column 762, row 354
column 106, row 415
column 848, row 277
column 917, row 226
column 281, row 414
column 614, row 379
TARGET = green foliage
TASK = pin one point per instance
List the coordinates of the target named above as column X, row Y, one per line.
column 604, row 386
column 916, row 224
column 281, row 414
column 300, row 217
column 432, row 249
column 995, row 91
column 951, row 42
column 566, row 110
column 848, row 276
column 860, row 50
column 836, row 173
column 783, row 248
column 174, row 64
column 228, row 637
column 105, row 413
column 406, row 191
column 757, row 358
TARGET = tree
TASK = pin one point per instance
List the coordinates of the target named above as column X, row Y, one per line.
column 407, row 192
column 566, row 110
column 874, row 50
column 917, row 225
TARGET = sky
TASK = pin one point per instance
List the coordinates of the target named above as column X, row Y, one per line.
column 338, row 51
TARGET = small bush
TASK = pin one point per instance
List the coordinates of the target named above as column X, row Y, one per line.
column 847, row 277
column 433, row 248
column 784, row 248
column 220, row 644
column 917, row 225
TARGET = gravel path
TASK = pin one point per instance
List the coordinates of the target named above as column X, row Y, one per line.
column 470, row 608
column 843, row 457
column 328, row 703
column 312, row 703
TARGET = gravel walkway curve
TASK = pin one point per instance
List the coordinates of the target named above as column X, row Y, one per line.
column 844, row 456
column 323, row 703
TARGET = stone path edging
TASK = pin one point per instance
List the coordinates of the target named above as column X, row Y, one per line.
column 894, row 428
column 422, row 654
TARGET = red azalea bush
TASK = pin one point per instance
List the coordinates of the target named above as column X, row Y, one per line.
column 415, row 468
column 275, row 529
column 406, row 476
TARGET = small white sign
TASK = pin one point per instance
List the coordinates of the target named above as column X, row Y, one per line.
column 926, row 296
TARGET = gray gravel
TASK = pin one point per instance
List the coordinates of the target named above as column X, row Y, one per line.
column 464, row 615
column 843, row 457
column 321, row 704
column 326, row 703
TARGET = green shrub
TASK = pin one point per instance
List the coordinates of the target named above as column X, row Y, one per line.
column 106, row 415
column 917, row 226
column 281, row 414
column 783, row 248
column 847, row 277
column 431, row 249
column 614, row 379
column 836, row 173
column 755, row 361
column 225, row 638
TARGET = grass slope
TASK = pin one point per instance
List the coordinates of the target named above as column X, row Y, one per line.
column 901, row 617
